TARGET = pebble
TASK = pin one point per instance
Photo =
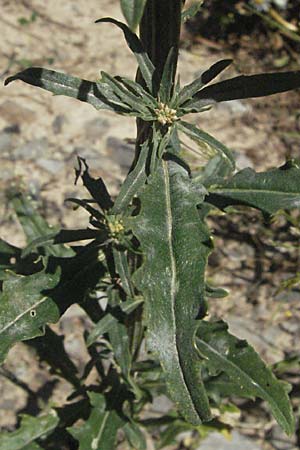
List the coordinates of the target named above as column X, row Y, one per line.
column 14, row 113
column 94, row 158
column 95, row 128
column 52, row 166
column 31, row 150
column 120, row 152
column 57, row 124
column 237, row 442
column 5, row 142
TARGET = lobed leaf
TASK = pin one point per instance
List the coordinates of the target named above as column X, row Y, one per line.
column 135, row 45
column 31, row 429
column 62, row 84
column 25, row 308
column 268, row 191
column 224, row 352
column 171, row 279
column 133, row 12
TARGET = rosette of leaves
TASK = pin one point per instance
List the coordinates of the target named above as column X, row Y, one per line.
column 150, row 247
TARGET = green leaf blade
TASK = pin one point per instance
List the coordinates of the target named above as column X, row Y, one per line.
column 135, row 45
column 99, row 432
column 268, row 191
column 171, row 279
column 25, row 308
column 133, row 12
column 224, row 352
column 31, row 428
column 61, row 84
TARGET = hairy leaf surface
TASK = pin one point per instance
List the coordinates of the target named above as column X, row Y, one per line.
column 31, row 428
column 25, row 308
column 62, row 84
column 268, row 191
column 224, row 352
column 176, row 245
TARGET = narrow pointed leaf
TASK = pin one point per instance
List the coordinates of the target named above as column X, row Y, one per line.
column 62, row 84
column 25, row 308
column 166, row 83
column 268, row 191
column 248, row 87
column 190, row 12
column 143, row 60
column 138, row 90
column 135, row 180
column 176, row 245
column 191, row 89
column 224, row 352
column 218, row 148
column 31, row 428
column 109, row 320
column 99, row 432
column 135, row 436
column 133, row 12
column 122, row 269
column 63, row 237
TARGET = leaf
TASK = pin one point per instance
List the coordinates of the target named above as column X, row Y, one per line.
column 268, row 191
column 110, row 319
column 135, row 45
column 190, row 12
column 176, row 245
column 135, row 180
column 122, row 269
column 31, row 428
column 33, row 224
column 191, row 89
column 226, row 353
column 247, row 87
column 200, row 136
column 62, row 84
column 63, row 237
column 134, row 436
column 99, row 432
column 95, row 186
column 25, row 308
column 166, row 84
column 133, row 12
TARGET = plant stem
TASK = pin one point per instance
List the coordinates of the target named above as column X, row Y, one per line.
column 159, row 32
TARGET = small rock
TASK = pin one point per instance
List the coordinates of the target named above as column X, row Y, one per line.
column 120, row 152
column 15, row 113
column 237, row 442
column 94, row 158
column 242, row 161
column 58, row 123
column 162, row 404
column 236, row 108
column 13, row 129
column 5, row 142
column 95, row 128
column 32, row 149
column 52, row 166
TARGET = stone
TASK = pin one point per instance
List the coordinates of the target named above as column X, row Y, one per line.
column 52, row 166
column 31, row 150
column 5, row 142
column 58, row 123
column 120, row 152
column 95, row 128
column 237, row 442
column 94, row 159
column 15, row 113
